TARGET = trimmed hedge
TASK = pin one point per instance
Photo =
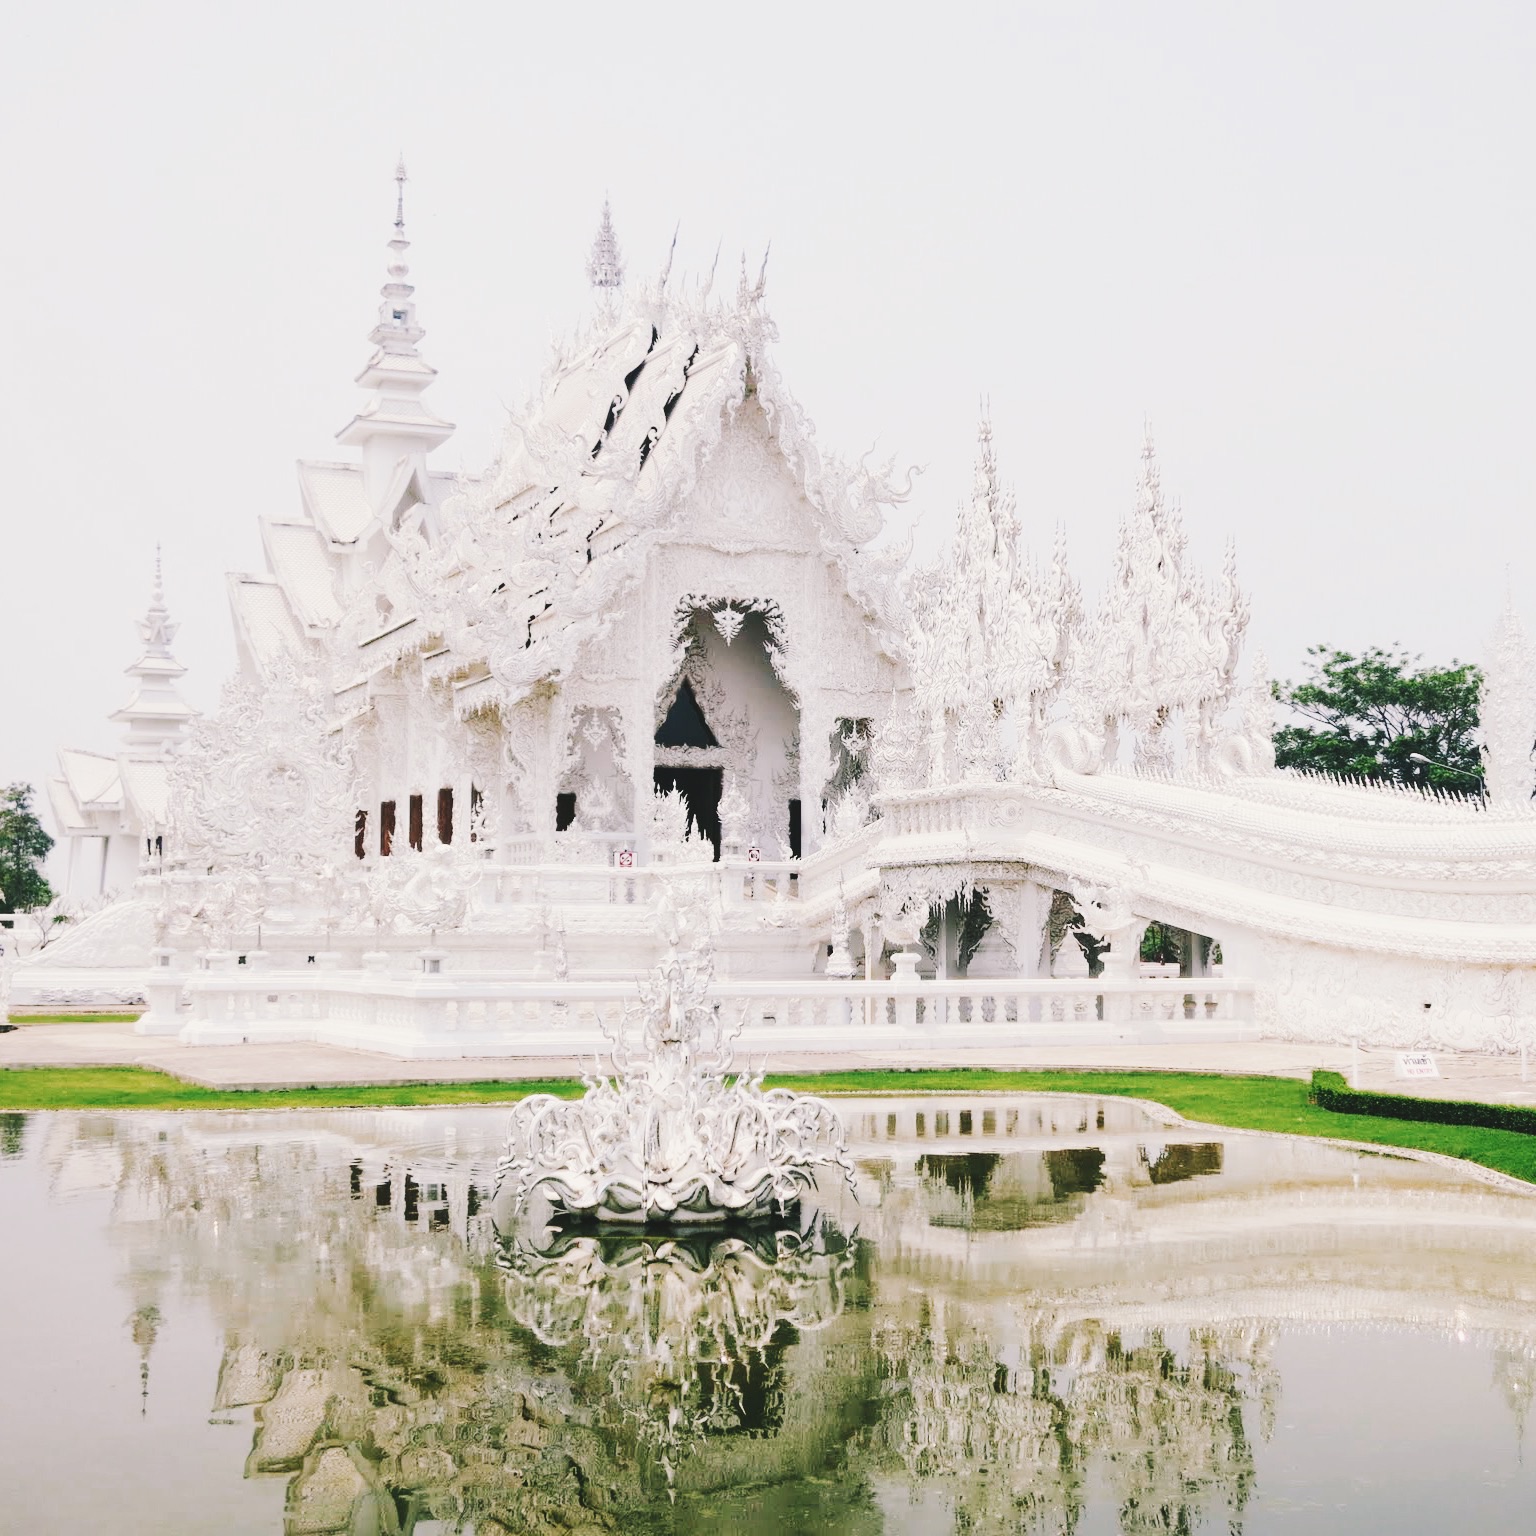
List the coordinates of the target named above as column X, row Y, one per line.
column 1330, row 1091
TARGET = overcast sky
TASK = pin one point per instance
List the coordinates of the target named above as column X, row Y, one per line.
column 1298, row 239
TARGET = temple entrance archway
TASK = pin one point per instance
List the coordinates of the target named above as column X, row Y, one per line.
column 726, row 721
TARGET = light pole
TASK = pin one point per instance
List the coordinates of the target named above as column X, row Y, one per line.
column 1429, row 762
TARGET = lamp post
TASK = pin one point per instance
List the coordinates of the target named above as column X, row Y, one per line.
column 1429, row 762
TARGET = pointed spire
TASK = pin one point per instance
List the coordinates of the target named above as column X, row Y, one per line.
column 666, row 271
column 1507, row 711
column 156, row 712
column 397, row 331
column 395, row 424
column 605, row 266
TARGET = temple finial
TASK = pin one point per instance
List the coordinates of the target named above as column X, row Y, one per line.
column 605, row 266
column 395, row 421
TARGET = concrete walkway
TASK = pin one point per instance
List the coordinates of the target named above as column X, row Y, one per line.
column 1493, row 1079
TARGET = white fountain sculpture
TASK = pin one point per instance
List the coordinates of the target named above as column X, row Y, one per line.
column 671, row 1137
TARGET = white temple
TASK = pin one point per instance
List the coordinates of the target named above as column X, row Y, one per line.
column 478, row 721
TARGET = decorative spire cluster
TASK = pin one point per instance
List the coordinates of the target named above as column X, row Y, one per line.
column 992, row 634
column 1002, row 654
column 1163, row 642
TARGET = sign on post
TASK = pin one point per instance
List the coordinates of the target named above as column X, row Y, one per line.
column 1415, row 1064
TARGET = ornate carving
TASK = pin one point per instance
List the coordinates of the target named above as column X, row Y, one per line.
column 669, row 1137
column 266, row 779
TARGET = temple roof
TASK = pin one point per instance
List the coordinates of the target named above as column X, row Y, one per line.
column 511, row 573
column 265, row 626
column 532, row 560
column 147, row 788
column 92, row 777
column 297, row 554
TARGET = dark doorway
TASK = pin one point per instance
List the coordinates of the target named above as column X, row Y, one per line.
column 565, row 809
column 685, row 725
column 794, row 829
column 701, row 788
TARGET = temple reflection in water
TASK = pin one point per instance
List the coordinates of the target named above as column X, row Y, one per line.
column 1034, row 1309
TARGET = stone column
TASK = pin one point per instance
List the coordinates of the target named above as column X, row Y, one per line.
column 815, row 768
column 1194, row 954
column 638, row 714
column 1023, row 911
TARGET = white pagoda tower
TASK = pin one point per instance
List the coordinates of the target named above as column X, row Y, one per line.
column 111, row 808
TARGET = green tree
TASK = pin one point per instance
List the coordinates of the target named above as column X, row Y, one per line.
column 1378, row 714
column 23, row 847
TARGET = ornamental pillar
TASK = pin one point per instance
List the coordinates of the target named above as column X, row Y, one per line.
column 815, row 769
column 1023, row 911
column 638, row 716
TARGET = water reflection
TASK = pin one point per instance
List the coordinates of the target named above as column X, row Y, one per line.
column 1032, row 1319
column 680, row 1337
column 997, row 1193
column 1019, row 1431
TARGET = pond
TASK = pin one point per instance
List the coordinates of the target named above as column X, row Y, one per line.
column 1036, row 1314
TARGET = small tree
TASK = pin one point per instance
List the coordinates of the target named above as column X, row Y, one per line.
column 1377, row 713
column 23, row 846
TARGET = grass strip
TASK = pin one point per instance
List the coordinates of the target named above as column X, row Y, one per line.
column 19, row 1019
column 1243, row 1103
column 143, row 1088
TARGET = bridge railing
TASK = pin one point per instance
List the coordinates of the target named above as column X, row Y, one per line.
column 420, row 1015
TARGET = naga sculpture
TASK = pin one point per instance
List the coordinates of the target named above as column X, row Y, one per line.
column 671, row 1137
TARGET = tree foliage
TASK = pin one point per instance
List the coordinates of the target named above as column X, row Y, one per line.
column 1373, row 713
column 24, row 844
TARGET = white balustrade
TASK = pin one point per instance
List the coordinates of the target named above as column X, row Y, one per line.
column 424, row 1016
column 615, row 884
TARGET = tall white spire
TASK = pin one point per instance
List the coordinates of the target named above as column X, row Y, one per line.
column 605, row 266
column 1507, row 711
column 156, row 712
column 395, row 426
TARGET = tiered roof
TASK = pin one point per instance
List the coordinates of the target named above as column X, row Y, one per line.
column 504, row 578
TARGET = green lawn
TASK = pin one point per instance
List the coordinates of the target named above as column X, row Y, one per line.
column 19, row 1019
column 140, row 1088
column 1246, row 1103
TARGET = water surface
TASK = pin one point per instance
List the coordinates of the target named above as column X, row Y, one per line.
column 1036, row 1315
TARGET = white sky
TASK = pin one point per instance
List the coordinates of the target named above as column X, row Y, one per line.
column 1298, row 237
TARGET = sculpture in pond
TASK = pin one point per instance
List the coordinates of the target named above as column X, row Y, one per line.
column 671, row 1136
